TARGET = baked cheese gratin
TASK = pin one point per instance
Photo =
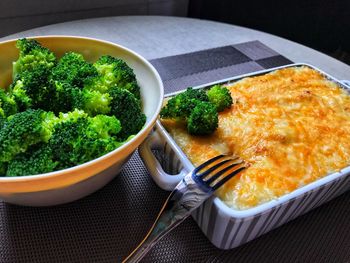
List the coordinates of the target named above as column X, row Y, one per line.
column 291, row 125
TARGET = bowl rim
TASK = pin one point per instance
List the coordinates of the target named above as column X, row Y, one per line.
column 124, row 145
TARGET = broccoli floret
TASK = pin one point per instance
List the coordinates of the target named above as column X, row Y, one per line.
column 114, row 72
column 36, row 160
column 2, row 121
column 126, row 108
column 31, row 89
column 102, row 126
column 72, row 116
column 220, row 96
column 198, row 109
column 181, row 105
column 79, row 138
column 92, row 102
column 31, row 55
column 23, row 130
column 3, row 168
column 76, row 138
column 73, row 70
column 8, row 105
column 68, row 78
column 203, row 119
column 68, row 136
column 19, row 93
column 84, row 86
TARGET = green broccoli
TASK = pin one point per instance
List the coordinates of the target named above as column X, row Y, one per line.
column 72, row 116
column 79, row 85
column 73, row 70
column 8, row 105
column 113, row 72
column 79, row 138
column 71, row 139
column 3, row 168
column 19, row 94
column 98, row 107
column 220, row 96
column 31, row 55
column 103, row 127
column 198, row 109
column 92, row 102
column 203, row 119
column 68, row 78
column 24, row 129
column 118, row 102
column 31, row 89
column 36, row 160
column 180, row 106
column 2, row 121
column 126, row 108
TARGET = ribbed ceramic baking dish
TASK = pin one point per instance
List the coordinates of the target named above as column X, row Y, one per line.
column 225, row 227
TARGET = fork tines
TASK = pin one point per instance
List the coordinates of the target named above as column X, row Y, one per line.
column 218, row 170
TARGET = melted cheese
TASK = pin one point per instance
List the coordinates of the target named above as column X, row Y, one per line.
column 291, row 125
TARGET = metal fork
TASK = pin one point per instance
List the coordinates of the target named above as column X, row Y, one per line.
column 190, row 193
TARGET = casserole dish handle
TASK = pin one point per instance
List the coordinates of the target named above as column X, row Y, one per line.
column 162, row 178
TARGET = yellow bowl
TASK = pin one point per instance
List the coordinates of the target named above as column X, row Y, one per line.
column 76, row 182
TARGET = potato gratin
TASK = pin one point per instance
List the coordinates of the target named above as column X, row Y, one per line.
column 293, row 127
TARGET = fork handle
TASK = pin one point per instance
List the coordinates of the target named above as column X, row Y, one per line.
column 184, row 199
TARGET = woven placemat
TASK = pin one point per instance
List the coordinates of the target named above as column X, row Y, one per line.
column 107, row 225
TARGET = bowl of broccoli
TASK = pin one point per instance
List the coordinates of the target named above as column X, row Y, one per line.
column 72, row 111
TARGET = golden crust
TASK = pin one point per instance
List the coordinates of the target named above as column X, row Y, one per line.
column 291, row 125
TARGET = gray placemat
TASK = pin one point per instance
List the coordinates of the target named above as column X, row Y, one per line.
column 107, row 225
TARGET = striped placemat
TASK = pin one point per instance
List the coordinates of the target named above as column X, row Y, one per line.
column 205, row 66
column 107, row 225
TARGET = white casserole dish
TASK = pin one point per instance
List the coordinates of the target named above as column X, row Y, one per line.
column 225, row 227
